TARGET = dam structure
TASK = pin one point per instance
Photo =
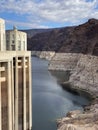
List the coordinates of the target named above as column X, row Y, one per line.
column 15, row 80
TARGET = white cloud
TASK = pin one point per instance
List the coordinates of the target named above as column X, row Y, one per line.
column 24, row 24
column 59, row 11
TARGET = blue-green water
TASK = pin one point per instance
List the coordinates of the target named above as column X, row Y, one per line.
column 50, row 101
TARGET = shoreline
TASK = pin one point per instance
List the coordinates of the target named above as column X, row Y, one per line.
column 76, row 115
column 77, row 119
column 83, row 78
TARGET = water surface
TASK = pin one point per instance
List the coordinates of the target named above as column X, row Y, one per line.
column 50, row 101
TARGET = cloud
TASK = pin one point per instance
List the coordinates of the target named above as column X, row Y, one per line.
column 25, row 24
column 39, row 12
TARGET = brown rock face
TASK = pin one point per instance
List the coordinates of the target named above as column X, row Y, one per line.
column 78, row 39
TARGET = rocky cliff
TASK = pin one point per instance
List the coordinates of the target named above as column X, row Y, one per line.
column 76, row 52
column 83, row 76
column 43, row 54
column 83, row 69
column 78, row 39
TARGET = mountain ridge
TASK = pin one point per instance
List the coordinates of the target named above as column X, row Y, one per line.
column 75, row 39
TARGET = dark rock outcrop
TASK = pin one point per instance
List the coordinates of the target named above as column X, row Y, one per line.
column 77, row 39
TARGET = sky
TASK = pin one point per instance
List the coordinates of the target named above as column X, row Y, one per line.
column 32, row 14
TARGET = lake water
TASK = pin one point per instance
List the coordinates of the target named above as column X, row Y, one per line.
column 50, row 101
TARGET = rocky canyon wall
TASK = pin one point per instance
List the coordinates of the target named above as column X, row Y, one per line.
column 83, row 69
column 83, row 76
column 43, row 54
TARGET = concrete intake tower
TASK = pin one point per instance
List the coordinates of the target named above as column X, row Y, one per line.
column 15, row 80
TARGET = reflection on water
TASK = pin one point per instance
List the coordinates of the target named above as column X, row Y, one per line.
column 50, row 101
